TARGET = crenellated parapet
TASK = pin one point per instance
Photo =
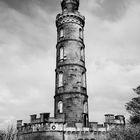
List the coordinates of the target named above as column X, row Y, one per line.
column 42, row 123
column 50, row 126
column 45, row 123
column 112, row 121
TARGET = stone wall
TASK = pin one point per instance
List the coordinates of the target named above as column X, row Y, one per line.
column 58, row 135
column 50, row 135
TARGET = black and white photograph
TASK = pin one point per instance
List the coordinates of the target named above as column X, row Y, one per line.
column 69, row 69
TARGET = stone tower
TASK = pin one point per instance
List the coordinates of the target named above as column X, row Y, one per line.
column 70, row 121
column 71, row 99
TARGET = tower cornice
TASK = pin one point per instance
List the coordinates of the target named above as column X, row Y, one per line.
column 70, row 17
column 70, row 64
column 61, row 40
column 71, row 93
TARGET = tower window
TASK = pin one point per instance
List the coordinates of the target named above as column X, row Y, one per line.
column 61, row 32
column 60, row 79
column 81, row 33
column 85, row 107
column 82, row 53
column 60, row 107
column 61, row 53
column 85, row 117
column 84, row 79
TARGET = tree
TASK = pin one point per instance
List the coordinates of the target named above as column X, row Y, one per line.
column 8, row 134
column 133, row 107
column 129, row 132
column 132, row 130
column 2, row 135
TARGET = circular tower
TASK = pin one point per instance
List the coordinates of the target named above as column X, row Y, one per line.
column 71, row 98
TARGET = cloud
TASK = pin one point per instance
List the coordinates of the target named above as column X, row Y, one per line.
column 26, row 60
column 115, row 69
column 27, row 7
column 110, row 10
column 120, row 38
column 110, row 87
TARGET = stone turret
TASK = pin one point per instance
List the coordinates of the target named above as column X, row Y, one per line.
column 120, row 119
column 70, row 5
column 33, row 118
column 112, row 121
column 19, row 124
column 109, row 118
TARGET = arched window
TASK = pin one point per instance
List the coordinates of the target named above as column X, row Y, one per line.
column 61, row 32
column 61, row 55
column 82, row 53
column 85, row 107
column 81, row 33
column 84, row 79
column 60, row 107
column 60, row 79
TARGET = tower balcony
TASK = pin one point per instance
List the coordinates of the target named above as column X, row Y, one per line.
column 67, row 17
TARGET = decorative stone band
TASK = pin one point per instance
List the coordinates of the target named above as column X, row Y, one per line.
column 71, row 93
column 69, row 64
column 82, row 91
column 70, row 17
column 63, row 39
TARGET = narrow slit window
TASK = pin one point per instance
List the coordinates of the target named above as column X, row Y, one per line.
column 60, row 79
column 82, row 53
column 81, row 33
column 85, row 120
column 85, row 107
column 84, row 80
column 60, row 107
column 61, row 53
column 61, row 33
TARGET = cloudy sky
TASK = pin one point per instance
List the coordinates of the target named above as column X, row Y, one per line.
column 27, row 56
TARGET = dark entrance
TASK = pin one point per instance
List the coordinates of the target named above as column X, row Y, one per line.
column 85, row 119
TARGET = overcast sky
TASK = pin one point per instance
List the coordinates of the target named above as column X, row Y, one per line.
column 28, row 51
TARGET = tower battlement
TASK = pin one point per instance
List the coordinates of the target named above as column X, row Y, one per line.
column 45, row 123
